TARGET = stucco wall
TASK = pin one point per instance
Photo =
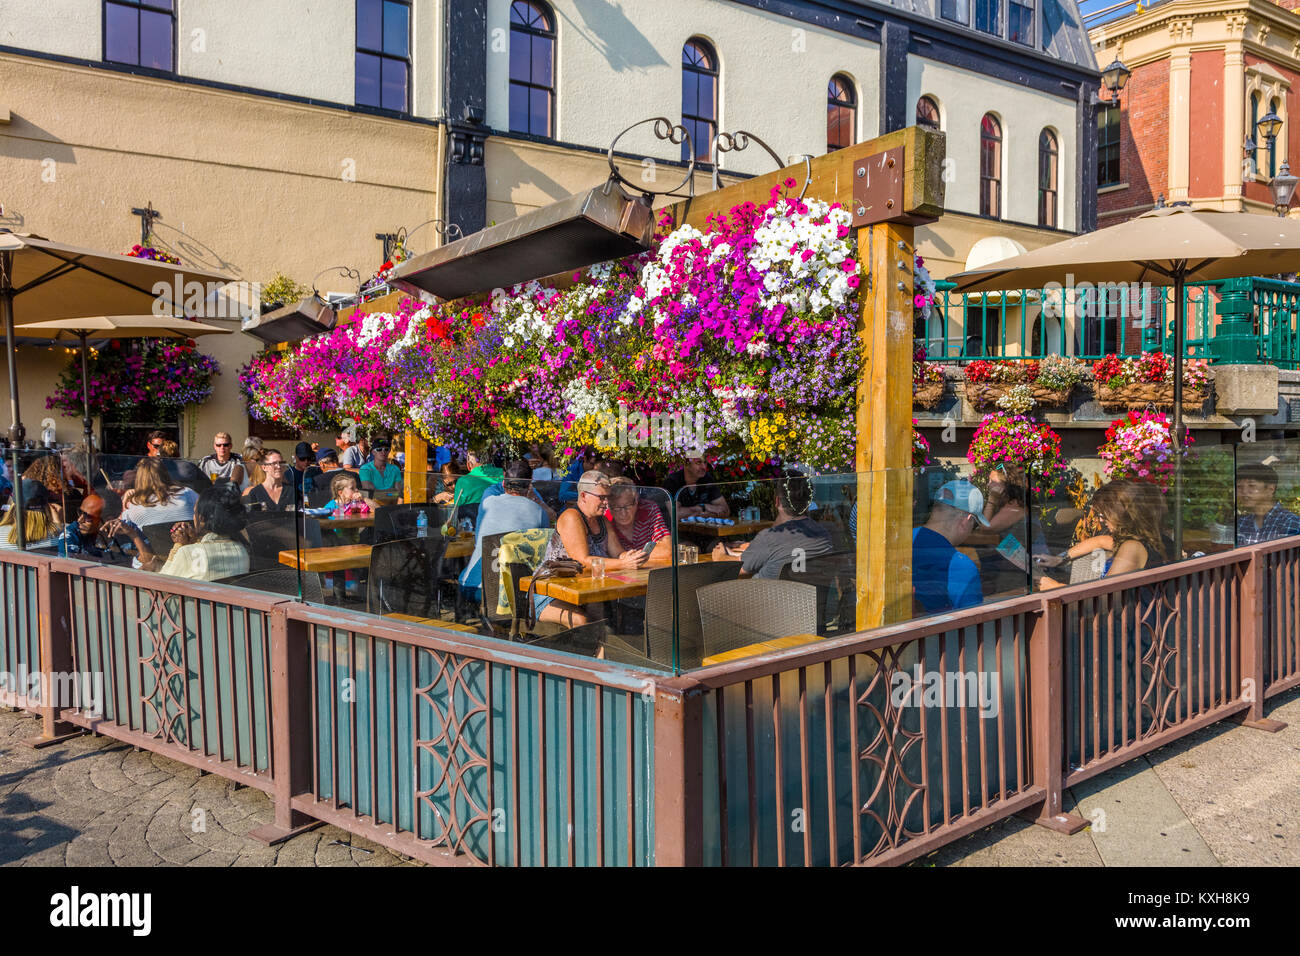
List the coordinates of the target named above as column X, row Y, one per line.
column 63, row 27
column 964, row 97
column 621, row 62
column 247, row 185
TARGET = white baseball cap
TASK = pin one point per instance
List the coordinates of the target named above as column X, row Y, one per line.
column 963, row 496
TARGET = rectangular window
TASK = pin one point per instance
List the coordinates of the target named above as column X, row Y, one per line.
column 1107, row 145
column 957, row 11
column 987, row 19
column 383, row 74
column 140, row 33
column 1020, row 23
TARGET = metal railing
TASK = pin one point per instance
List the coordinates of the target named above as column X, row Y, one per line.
column 1234, row 321
column 455, row 748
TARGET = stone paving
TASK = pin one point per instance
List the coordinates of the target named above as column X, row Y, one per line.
column 1225, row 795
column 93, row 801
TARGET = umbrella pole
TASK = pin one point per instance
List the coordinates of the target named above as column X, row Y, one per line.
column 87, row 423
column 1179, row 348
column 16, row 431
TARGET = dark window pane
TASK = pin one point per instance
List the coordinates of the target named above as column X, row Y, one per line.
column 121, row 34
column 369, row 24
column 539, row 118
column 1020, row 24
column 394, row 85
column 367, row 80
column 541, row 72
column 156, row 40
column 955, row 10
column 986, row 16
column 519, row 63
column 708, row 100
column 397, row 28
column 690, row 92
column 518, row 108
column 157, row 4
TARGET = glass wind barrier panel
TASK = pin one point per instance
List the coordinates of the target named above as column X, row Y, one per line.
column 39, row 488
column 790, row 560
column 1267, row 490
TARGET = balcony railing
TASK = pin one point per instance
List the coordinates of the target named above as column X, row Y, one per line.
column 1234, row 321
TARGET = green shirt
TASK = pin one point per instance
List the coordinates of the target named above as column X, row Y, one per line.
column 392, row 475
column 470, row 488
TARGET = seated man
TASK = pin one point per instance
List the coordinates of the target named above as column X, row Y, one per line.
column 81, row 538
column 792, row 535
column 1261, row 517
column 379, row 474
column 512, row 510
column 694, row 491
column 943, row 578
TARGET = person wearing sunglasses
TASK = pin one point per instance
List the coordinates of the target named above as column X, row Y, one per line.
column 81, row 538
column 223, row 464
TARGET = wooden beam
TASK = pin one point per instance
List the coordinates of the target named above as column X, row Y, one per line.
column 416, row 480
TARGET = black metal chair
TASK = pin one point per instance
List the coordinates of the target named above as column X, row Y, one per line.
column 270, row 532
column 498, row 624
column 404, row 576
column 159, row 537
column 399, row 521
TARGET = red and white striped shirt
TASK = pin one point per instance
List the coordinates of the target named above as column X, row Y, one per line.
column 646, row 527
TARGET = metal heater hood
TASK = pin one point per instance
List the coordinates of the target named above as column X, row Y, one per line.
column 292, row 323
column 601, row 224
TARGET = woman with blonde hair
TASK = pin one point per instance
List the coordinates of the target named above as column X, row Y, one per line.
column 156, row 497
column 41, row 525
column 253, row 455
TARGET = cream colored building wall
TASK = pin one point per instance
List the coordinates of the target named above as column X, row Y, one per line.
column 621, row 62
column 248, row 185
column 300, row 47
column 964, row 97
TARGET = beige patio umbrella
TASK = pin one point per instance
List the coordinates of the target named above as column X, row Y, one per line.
column 114, row 327
column 42, row 280
column 1166, row 246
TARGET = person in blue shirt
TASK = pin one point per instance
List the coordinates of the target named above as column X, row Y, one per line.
column 943, row 578
column 81, row 538
column 380, row 474
column 515, row 509
column 585, row 461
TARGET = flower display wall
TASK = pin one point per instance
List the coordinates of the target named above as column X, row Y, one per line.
column 161, row 375
column 741, row 336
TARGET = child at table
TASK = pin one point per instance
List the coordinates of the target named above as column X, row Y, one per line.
column 345, row 499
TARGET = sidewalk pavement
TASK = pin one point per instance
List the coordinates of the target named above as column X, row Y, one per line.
column 1225, row 795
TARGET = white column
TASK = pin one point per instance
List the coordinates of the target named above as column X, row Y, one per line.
column 1234, row 125
column 1180, row 120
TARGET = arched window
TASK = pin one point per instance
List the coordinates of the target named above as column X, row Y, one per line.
column 1048, row 153
column 841, row 113
column 699, row 97
column 1273, row 107
column 927, row 113
column 532, row 68
column 991, row 167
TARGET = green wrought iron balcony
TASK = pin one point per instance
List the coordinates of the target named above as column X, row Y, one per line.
column 1234, row 321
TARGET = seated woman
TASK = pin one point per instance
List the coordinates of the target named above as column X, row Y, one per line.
column 206, row 550
column 1136, row 541
column 156, row 498
column 451, row 473
column 637, row 523
column 1007, row 511
column 54, row 473
column 381, row 476
column 41, row 524
column 583, row 533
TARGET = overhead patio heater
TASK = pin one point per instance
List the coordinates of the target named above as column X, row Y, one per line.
column 595, row 226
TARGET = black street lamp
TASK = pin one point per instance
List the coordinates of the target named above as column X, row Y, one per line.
column 1114, row 77
column 1282, row 186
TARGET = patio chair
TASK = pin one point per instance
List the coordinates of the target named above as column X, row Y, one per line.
column 404, row 576
column 658, row 633
column 835, row 572
column 498, row 624
column 738, row 613
column 159, row 537
column 399, row 521
column 280, row 581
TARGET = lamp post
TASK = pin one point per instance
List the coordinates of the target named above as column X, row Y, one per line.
column 1268, row 126
column 1114, row 77
column 1282, row 186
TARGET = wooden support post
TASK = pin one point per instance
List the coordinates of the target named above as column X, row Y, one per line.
column 884, row 456
column 416, row 480
column 679, row 772
column 54, row 618
column 1047, row 726
column 1251, row 644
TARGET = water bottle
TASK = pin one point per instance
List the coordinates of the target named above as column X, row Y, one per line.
column 422, row 525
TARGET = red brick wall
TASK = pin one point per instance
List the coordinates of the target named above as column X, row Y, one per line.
column 1206, row 159
column 1288, row 4
column 1144, row 141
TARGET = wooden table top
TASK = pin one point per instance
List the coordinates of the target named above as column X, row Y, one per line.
column 351, row 557
column 349, row 521
column 432, row 622
column 761, row 647
column 724, row 530
column 582, row 589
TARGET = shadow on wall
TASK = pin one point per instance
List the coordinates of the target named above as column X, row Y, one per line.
column 609, row 30
column 23, row 139
column 190, row 250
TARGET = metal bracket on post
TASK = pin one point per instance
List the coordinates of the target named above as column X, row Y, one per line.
column 878, row 188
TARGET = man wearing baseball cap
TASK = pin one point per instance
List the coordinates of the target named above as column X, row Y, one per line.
column 943, row 578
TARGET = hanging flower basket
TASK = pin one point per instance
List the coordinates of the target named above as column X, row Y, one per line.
column 927, row 380
column 928, row 395
column 1142, row 394
column 1147, row 379
column 985, row 395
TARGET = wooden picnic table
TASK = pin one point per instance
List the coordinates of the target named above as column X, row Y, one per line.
column 723, row 530
column 351, row 557
column 582, row 589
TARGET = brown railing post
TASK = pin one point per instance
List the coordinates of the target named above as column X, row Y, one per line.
column 54, row 616
column 679, row 772
column 1250, row 645
column 1047, row 721
column 291, row 730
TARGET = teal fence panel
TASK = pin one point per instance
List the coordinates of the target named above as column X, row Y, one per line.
column 20, row 649
column 191, row 672
column 480, row 757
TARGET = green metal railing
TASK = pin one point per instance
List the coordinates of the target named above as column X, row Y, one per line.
column 1232, row 321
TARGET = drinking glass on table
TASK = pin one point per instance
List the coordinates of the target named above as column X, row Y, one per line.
column 597, row 569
